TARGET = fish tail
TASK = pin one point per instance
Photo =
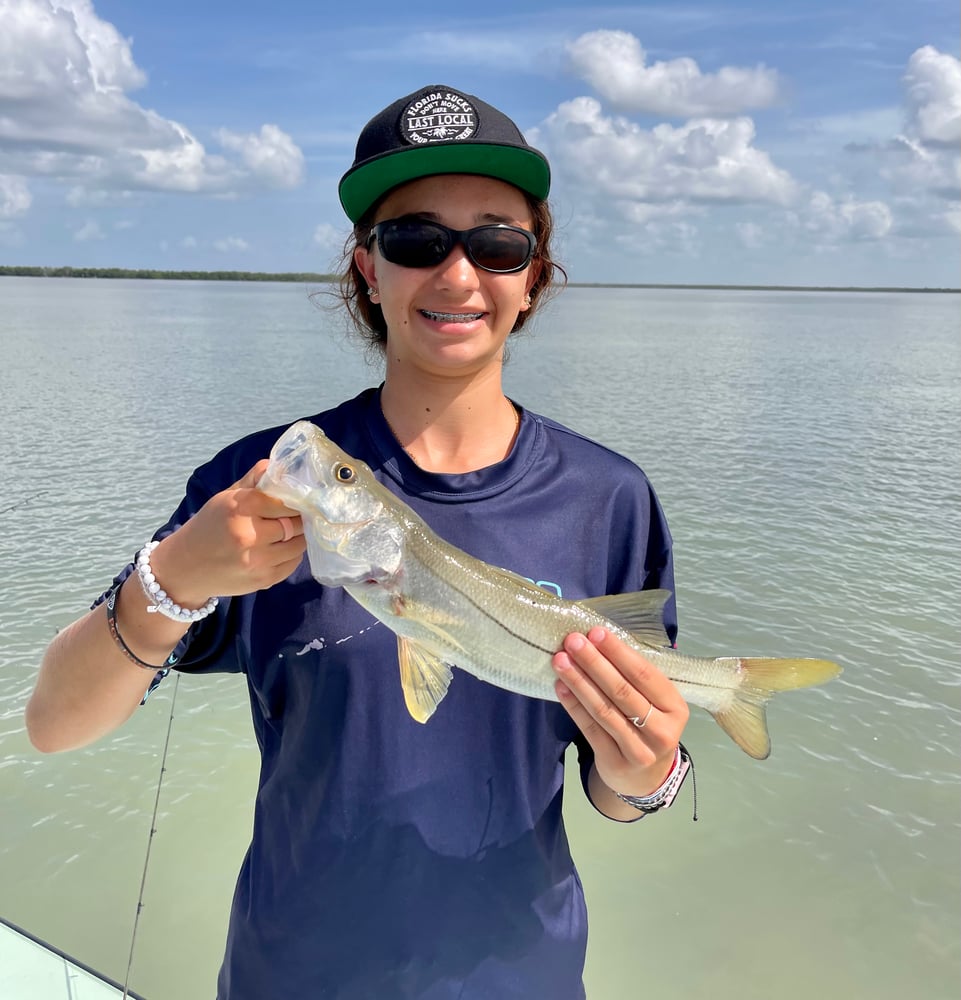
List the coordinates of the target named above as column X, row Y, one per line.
column 745, row 719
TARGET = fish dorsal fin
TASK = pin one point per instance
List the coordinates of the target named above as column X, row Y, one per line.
column 424, row 678
column 641, row 613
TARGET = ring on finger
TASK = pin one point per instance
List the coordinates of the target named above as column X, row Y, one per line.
column 636, row 719
column 288, row 526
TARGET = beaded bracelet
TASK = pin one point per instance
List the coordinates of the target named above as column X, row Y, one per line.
column 662, row 797
column 159, row 600
column 111, row 603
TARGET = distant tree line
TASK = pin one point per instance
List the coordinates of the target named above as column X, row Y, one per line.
column 309, row 277
column 124, row 272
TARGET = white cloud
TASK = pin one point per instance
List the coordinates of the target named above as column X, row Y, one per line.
column 644, row 184
column 90, row 230
column 15, row 197
column 641, row 213
column 189, row 243
column 615, row 65
column 704, row 160
column 932, row 85
column 232, row 244
column 834, row 221
column 64, row 78
column 272, row 156
column 915, row 169
column 79, row 196
column 920, row 167
column 66, row 48
column 180, row 166
column 329, row 237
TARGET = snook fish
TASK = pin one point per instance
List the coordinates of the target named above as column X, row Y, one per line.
column 448, row 608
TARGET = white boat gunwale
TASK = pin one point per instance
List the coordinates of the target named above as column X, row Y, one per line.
column 59, row 953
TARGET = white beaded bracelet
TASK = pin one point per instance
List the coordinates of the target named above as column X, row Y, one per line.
column 159, row 601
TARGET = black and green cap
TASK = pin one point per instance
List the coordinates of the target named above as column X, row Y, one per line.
column 438, row 130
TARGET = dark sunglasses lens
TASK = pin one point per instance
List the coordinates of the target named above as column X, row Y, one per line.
column 499, row 249
column 414, row 244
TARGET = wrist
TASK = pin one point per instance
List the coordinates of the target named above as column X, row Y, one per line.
column 663, row 796
column 146, row 639
column 168, row 590
column 656, row 775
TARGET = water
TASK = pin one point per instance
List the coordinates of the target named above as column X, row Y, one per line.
column 806, row 449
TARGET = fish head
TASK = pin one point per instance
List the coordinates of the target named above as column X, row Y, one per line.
column 352, row 535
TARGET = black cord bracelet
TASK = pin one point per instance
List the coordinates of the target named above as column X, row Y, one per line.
column 111, row 603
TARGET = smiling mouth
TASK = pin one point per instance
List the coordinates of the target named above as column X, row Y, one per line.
column 452, row 317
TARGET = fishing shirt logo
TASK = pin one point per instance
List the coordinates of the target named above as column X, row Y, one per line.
column 442, row 116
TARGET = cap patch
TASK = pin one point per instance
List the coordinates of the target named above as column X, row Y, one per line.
column 441, row 116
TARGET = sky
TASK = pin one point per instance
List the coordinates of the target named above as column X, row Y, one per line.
column 724, row 143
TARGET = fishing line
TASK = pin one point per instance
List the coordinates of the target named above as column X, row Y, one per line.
column 153, row 830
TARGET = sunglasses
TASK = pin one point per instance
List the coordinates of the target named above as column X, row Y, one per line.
column 415, row 242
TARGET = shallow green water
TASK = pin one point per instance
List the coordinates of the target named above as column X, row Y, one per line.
column 805, row 447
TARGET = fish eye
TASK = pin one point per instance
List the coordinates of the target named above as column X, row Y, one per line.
column 345, row 473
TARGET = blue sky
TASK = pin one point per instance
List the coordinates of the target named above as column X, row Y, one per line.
column 724, row 142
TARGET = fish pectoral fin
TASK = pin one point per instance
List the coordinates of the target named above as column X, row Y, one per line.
column 424, row 678
column 641, row 613
column 433, row 619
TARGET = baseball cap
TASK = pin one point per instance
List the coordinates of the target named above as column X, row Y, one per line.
column 439, row 130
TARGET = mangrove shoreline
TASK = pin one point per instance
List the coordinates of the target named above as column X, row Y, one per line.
column 308, row 277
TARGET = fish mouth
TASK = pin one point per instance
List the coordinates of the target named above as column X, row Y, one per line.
column 333, row 530
column 448, row 317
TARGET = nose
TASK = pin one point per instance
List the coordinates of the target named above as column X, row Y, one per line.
column 457, row 270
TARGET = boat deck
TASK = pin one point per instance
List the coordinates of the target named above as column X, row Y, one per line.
column 31, row 969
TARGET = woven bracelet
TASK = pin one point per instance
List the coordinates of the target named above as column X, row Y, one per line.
column 662, row 797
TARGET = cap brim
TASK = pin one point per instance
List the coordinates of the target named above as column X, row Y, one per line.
column 364, row 184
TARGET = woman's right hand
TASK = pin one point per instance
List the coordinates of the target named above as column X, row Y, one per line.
column 240, row 541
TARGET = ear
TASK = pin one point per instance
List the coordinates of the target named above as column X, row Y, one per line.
column 533, row 273
column 366, row 264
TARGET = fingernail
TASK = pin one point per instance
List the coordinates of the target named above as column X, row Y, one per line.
column 575, row 642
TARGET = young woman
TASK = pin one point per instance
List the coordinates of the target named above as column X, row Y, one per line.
column 393, row 859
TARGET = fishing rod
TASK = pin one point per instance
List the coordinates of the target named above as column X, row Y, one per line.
column 153, row 830
column 23, row 502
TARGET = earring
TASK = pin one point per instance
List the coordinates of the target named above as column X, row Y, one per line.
column 527, row 300
column 372, row 292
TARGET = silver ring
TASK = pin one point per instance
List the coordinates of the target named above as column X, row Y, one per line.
column 636, row 719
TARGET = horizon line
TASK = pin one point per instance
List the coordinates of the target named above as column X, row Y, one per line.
column 228, row 274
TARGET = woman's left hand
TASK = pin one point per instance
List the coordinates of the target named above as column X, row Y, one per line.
column 629, row 712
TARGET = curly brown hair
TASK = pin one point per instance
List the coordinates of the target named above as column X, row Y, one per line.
column 368, row 318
